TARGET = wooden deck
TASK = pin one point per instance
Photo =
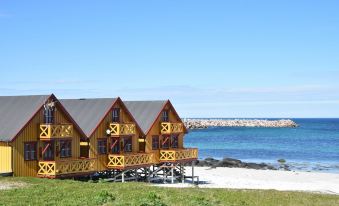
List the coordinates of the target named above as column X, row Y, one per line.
column 125, row 161
column 117, row 129
column 171, row 128
column 175, row 155
column 49, row 131
column 54, row 169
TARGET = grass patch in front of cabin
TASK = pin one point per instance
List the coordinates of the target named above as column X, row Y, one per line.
column 68, row 192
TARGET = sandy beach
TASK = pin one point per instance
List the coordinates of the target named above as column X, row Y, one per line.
column 239, row 178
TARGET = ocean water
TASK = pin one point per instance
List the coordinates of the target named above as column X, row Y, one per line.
column 313, row 146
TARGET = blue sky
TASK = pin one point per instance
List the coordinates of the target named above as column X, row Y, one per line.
column 211, row 58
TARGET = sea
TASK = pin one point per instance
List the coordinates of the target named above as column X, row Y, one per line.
column 313, row 146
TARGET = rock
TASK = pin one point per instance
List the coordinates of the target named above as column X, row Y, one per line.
column 234, row 163
column 229, row 162
column 255, row 166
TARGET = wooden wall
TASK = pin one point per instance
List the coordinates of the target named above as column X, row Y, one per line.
column 100, row 132
column 31, row 133
column 155, row 130
column 5, row 158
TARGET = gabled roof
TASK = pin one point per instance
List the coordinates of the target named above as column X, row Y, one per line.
column 16, row 112
column 88, row 113
column 145, row 112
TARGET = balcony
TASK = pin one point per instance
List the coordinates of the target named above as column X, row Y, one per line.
column 133, row 160
column 173, row 155
column 170, row 128
column 66, row 167
column 117, row 129
column 48, row 131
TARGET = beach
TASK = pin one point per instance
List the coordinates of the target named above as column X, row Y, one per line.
column 240, row 178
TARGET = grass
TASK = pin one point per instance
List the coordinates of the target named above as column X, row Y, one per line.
column 68, row 192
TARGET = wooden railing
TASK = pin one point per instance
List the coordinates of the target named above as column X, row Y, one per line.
column 172, row 155
column 121, row 161
column 48, row 131
column 122, row 129
column 169, row 128
column 65, row 167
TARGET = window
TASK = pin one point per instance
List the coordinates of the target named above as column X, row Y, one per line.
column 174, row 141
column 116, row 115
column 49, row 115
column 102, row 146
column 165, row 116
column 115, row 146
column 65, row 148
column 155, row 142
column 30, row 151
column 127, row 144
column 165, row 142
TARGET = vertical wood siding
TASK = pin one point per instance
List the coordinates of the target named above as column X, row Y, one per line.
column 155, row 130
column 31, row 133
column 5, row 158
column 100, row 132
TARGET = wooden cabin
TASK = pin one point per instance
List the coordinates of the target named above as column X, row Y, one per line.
column 112, row 134
column 38, row 137
column 164, row 131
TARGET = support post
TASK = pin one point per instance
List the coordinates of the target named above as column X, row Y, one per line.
column 182, row 169
column 123, row 176
column 172, row 173
column 193, row 172
column 148, row 173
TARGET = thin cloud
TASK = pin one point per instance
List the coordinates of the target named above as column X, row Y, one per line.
column 5, row 15
column 289, row 89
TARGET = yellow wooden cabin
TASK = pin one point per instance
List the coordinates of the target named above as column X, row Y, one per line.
column 164, row 131
column 38, row 137
column 112, row 134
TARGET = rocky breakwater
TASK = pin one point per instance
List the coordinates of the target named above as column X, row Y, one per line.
column 205, row 123
column 235, row 163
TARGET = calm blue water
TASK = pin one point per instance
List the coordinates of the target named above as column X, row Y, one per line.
column 312, row 146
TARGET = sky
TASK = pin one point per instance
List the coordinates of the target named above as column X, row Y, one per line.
column 210, row 58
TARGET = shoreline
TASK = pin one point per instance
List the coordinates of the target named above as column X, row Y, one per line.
column 242, row 178
column 281, row 165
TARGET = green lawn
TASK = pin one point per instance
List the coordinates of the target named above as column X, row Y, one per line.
column 68, row 192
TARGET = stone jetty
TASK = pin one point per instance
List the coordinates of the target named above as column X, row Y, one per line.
column 205, row 123
column 234, row 163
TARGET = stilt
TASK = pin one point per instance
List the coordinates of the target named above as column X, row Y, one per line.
column 123, row 176
column 148, row 173
column 172, row 174
column 182, row 169
column 193, row 172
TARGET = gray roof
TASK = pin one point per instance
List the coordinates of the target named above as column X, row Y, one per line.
column 88, row 113
column 145, row 112
column 16, row 111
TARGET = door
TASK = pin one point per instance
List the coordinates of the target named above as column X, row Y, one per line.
column 142, row 146
column 115, row 145
column 84, row 149
column 48, row 151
